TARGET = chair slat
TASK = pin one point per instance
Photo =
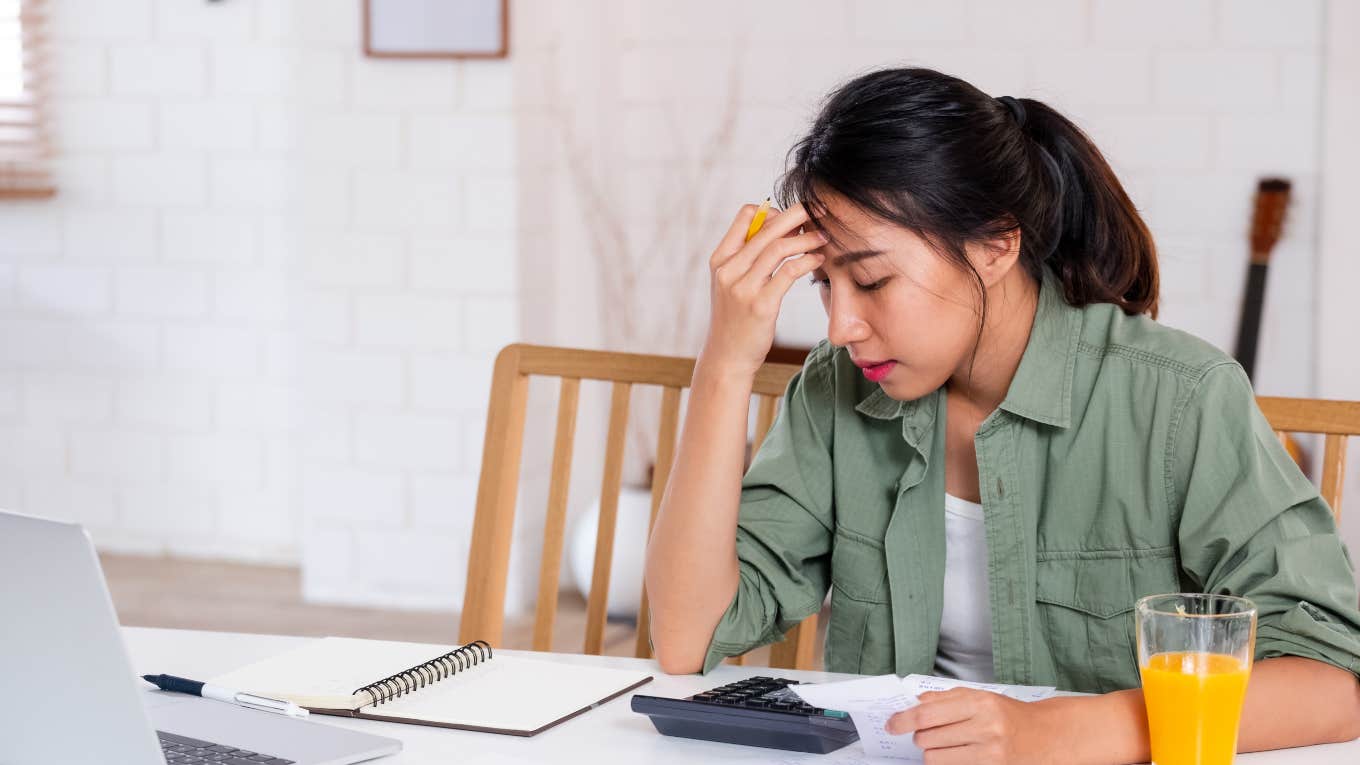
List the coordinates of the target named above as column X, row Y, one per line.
column 766, row 406
column 634, row 367
column 798, row 648
column 555, row 524
column 1333, row 470
column 489, row 558
column 1305, row 415
column 661, row 475
column 1336, row 420
column 598, row 602
column 764, row 419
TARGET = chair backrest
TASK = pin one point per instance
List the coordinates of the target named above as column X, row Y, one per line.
column 1335, row 420
column 488, row 564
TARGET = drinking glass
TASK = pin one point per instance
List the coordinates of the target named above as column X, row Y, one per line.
column 1194, row 655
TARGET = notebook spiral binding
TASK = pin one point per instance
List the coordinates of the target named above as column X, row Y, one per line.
column 432, row 671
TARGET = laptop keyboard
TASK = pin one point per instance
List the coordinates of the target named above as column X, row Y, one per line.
column 182, row 750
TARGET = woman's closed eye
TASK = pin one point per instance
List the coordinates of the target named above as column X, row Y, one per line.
column 825, row 283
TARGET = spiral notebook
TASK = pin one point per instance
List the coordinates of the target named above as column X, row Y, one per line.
column 471, row 688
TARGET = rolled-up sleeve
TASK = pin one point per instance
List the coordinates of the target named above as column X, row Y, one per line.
column 1252, row 525
column 784, row 528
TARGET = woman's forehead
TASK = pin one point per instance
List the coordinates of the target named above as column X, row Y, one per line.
column 860, row 232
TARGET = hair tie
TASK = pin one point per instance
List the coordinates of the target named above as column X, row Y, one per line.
column 1016, row 109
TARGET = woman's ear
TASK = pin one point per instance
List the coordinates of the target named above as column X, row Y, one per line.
column 994, row 259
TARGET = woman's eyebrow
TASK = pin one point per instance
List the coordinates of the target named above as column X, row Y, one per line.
column 846, row 258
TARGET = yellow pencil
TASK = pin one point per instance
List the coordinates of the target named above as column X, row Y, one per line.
column 759, row 220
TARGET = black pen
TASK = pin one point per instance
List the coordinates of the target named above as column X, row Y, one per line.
column 217, row 692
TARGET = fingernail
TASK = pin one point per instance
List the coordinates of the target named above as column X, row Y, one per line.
column 822, row 235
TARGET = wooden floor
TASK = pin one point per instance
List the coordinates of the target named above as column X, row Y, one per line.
column 234, row 597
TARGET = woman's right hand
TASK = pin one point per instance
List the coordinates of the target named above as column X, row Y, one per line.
column 747, row 291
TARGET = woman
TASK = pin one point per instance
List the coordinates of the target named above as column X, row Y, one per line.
column 995, row 452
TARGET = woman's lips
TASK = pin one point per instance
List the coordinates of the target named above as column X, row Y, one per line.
column 876, row 372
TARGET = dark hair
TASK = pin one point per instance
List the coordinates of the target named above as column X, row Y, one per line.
column 936, row 155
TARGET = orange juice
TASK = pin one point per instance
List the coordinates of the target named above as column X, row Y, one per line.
column 1194, row 702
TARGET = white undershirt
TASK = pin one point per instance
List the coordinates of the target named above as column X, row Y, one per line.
column 966, row 625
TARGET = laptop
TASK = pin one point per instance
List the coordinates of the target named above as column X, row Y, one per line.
column 69, row 692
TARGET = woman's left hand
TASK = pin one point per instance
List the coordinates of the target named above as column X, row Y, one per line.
column 972, row 727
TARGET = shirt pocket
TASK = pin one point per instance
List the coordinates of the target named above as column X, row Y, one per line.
column 1085, row 608
column 859, row 601
column 859, row 567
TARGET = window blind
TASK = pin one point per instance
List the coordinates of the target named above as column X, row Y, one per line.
column 25, row 148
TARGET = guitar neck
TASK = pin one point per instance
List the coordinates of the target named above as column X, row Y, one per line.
column 1249, row 329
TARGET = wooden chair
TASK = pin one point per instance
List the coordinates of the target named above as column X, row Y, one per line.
column 488, row 565
column 1336, row 420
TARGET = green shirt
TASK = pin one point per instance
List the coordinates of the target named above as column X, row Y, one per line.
column 1127, row 459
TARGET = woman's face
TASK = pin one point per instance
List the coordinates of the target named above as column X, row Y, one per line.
column 908, row 316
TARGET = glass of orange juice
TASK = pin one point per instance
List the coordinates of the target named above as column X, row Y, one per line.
column 1194, row 654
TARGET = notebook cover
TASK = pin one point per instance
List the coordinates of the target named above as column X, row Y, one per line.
column 360, row 714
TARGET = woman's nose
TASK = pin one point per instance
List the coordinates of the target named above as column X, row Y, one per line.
column 844, row 326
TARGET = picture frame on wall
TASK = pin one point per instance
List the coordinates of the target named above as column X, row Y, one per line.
column 435, row 29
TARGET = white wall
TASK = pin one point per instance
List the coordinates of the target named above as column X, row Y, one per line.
column 259, row 318
column 409, row 287
column 1338, row 363
column 146, row 335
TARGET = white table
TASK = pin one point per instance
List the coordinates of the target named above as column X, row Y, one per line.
column 612, row 733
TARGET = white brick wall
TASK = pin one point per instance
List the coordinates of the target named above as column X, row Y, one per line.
column 53, row 399
column 1337, row 268
column 95, row 123
column 64, row 290
column 208, row 236
column 163, row 402
column 214, row 341
column 392, row 255
column 407, row 321
column 206, row 126
column 161, row 293
column 100, row 22
column 163, row 69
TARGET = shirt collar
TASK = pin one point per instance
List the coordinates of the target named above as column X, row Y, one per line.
column 1041, row 389
column 918, row 415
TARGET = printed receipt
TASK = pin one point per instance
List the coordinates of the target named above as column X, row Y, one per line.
column 872, row 700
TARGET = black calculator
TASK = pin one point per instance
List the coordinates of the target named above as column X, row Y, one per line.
column 758, row 711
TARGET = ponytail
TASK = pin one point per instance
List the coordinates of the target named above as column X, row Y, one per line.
column 1103, row 251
